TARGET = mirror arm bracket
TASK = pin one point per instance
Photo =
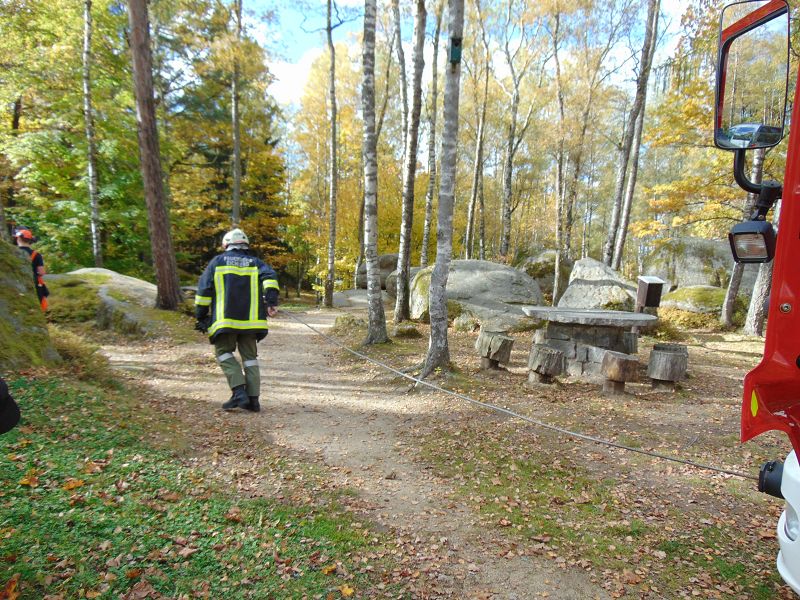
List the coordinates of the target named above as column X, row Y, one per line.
column 771, row 191
column 739, row 174
column 768, row 191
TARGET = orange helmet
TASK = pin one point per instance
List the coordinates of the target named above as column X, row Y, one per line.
column 25, row 234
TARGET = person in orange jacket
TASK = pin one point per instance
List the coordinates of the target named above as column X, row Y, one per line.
column 24, row 239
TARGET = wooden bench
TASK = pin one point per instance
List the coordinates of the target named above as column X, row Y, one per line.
column 618, row 368
column 494, row 348
column 667, row 366
column 544, row 364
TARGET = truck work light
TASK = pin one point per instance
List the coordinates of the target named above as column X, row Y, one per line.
column 752, row 242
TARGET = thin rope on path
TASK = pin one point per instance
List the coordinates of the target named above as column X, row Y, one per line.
column 511, row 413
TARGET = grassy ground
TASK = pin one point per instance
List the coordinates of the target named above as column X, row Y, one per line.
column 106, row 497
column 642, row 528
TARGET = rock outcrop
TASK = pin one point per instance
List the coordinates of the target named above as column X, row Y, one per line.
column 23, row 328
column 391, row 280
column 493, row 293
column 354, row 299
column 691, row 261
column 386, row 263
column 703, row 299
column 542, row 268
column 594, row 285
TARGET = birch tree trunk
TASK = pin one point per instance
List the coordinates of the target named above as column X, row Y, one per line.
column 648, row 47
column 630, row 188
column 236, row 121
column 517, row 33
column 438, row 349
column 376, row 333
column 387, row 81
column 482, row 222
column 728, row 305
column 559, row 167
column 757, row 312
column 332, row 170
column 361, row 226
column 401, row 309
column 426, row 228
column 401, row 63
column 168, row 293
column 508, row 168
column 477, row 166
column 91, row 147
column 378, row 128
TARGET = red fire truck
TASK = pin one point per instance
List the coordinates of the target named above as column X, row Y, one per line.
column 750, row 110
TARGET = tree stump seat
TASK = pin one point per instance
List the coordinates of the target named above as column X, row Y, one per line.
column 618, row 368
column 544, row 363
column 667, row 366
column 494, row 348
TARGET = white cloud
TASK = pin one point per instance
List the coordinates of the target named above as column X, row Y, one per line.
column 291, row 77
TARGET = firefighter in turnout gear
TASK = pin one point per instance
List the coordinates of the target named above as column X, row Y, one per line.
column 235, row 295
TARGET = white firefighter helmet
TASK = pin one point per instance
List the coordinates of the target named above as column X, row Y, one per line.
column 235, row 237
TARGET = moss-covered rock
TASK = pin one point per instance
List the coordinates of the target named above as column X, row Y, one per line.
column 23, row 329
column 698, row 307
column 73, row 298
column 473, row 282
column 704, row 299
column 346, row 324
column 112, row 301
column 406, row 330
column 542, row 268
column 466, row 322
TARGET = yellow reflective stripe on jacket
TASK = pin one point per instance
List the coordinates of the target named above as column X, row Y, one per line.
column 254, row 294
column 234, row 324
column 226, row 270
column 202, row 300
column 271, row 284
column 219, row 286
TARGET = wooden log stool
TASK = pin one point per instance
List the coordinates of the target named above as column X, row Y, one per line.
column 618, row 368
column 494, row 348
column 668, row 364
column 544, row 363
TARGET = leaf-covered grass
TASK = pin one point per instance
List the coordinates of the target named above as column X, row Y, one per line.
column 91, row 507
column 73, row 298
column 640, row 540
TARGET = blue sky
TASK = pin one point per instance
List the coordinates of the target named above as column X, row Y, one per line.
column 297, row 40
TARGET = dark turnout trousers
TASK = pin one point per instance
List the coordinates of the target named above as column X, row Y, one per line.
column 225, row 345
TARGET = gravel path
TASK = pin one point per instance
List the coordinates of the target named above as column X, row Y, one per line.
column 354, row 425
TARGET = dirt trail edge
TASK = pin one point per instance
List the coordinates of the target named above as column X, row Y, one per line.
column 354, row 426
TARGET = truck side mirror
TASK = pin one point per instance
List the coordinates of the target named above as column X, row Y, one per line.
column 752, row 74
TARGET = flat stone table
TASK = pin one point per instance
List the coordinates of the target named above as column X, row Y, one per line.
column 584, row 335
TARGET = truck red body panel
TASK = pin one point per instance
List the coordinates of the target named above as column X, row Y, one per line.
column 772, row 390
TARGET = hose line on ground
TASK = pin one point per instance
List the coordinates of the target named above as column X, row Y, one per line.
column 511, row 413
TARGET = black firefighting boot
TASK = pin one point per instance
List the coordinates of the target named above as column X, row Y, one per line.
column 253, row 405
column 238, row 399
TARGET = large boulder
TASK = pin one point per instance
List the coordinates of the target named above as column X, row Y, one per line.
column 23, row 328
column 542, row 268
column 391, row 280
column 691, row 261
column 485, row 289
column 595, row 285
column 698, row 307
column 703, row 299
column 354, row 299
column 386, row 263
column 134, row 290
